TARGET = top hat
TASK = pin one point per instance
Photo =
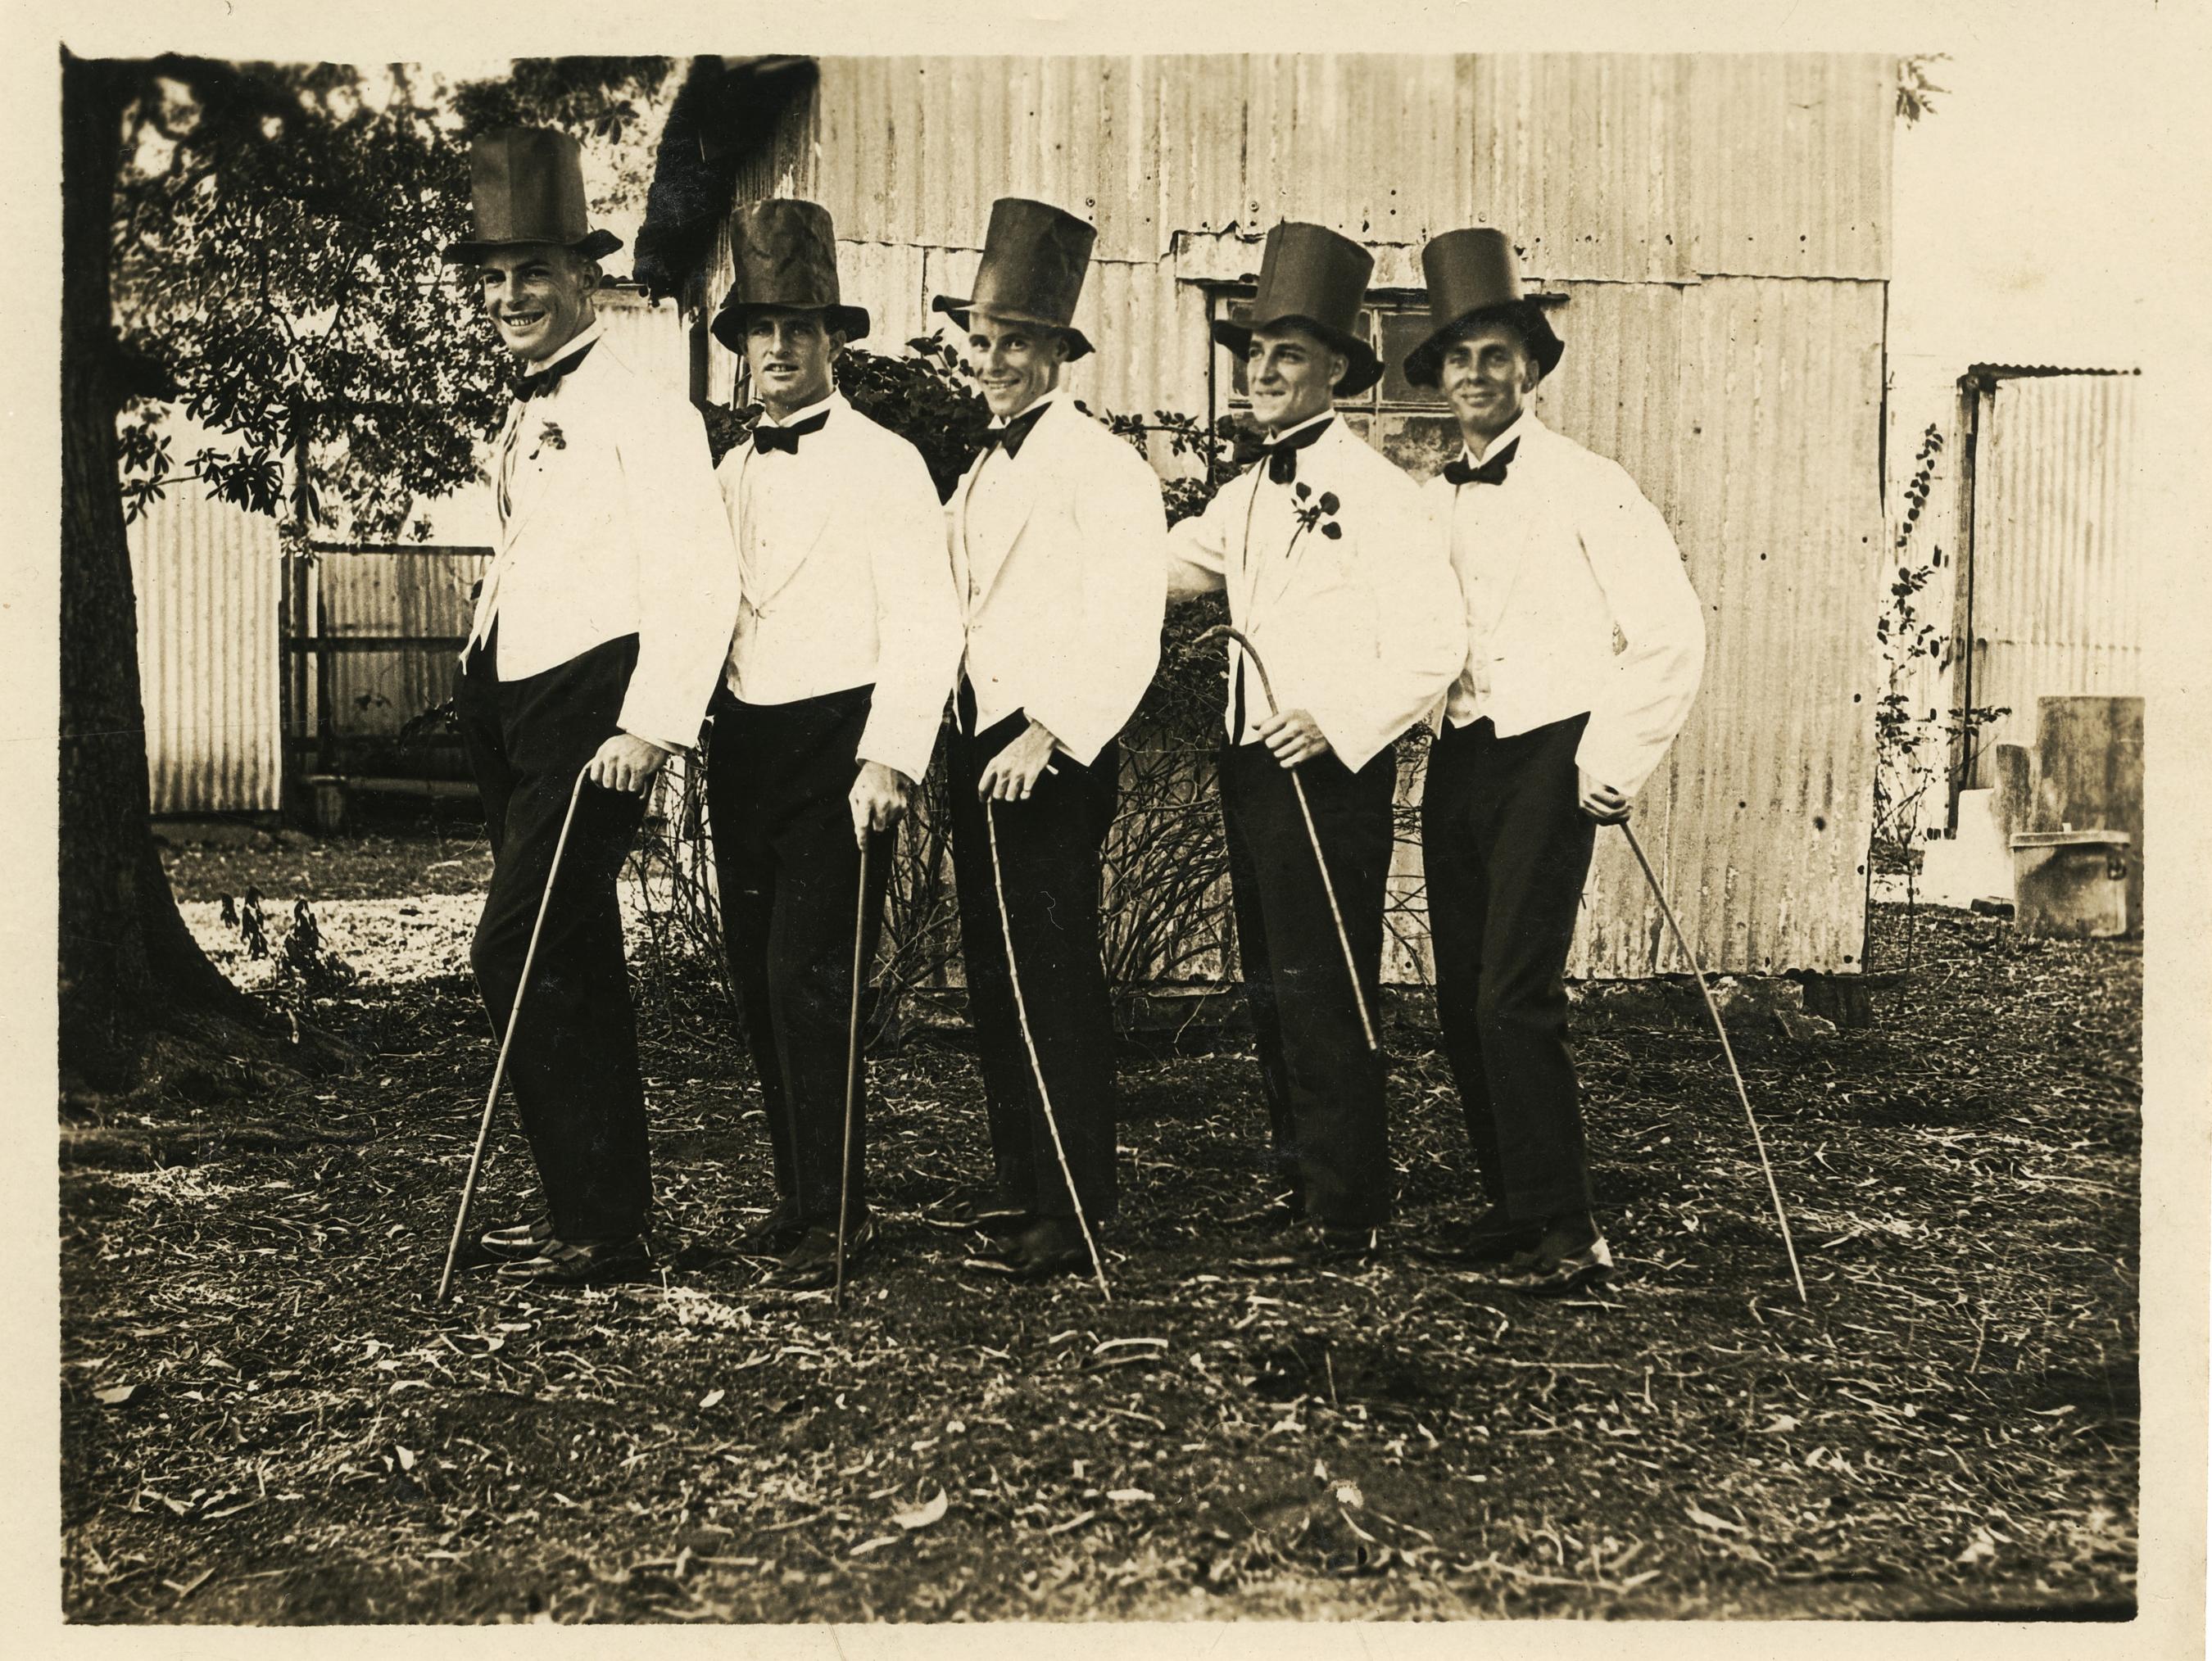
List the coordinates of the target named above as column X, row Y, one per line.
column 1034, row 257
column 1310, row 275
column 525, row 186
column 784, row 254
column 1472, row 273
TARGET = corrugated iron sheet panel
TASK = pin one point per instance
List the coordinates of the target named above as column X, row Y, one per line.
column 388, row 593
column 1749, row 412
column 651, row 336
column 1786, row 162
column 1752, row 416
column 2057, row 596
column 209, row 581
column 1603, row 165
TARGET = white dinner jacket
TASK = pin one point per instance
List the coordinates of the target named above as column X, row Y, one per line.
column 1068, row 594
column 1364, row 630
column 1552, row 561
column 613, row 526
column 848, row 586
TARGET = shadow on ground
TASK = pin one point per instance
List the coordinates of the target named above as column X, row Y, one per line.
column 263, row 1420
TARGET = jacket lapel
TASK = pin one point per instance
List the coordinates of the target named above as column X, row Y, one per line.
column 959, row 538
column 1018, row 487
column 567, row 414
column 1316, row 465
column 1251, row 561
column 1504, row 555
column 781, row 562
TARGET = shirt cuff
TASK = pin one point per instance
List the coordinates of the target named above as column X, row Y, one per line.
column 1622, row 767
column 1355, row 742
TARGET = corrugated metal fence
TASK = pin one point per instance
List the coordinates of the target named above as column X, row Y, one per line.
column 211, row 629
column 209, row 580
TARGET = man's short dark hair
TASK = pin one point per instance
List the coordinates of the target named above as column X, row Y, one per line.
column 1510, row 321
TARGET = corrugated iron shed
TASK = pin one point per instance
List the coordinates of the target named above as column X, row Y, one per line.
column 2058, row 591
column 1721, row 225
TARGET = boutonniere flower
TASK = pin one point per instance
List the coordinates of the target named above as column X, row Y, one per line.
column 1315, row 512
column 550, row 437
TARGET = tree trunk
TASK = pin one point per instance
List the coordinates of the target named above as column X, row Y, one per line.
column 128, row 965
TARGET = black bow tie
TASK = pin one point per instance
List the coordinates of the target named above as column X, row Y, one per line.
column 536, row 384
column 768, row 436
column 1457, row 472
column 1014, row 433
column 1282, row 454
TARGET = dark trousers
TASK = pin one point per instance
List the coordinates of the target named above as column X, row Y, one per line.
column 788, row 872
column 1323, row 1085
column 1049, row 855
column 572, row 1065
column 1506, row 849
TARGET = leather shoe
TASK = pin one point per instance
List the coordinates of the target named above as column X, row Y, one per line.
column 1049, row 1246
column 1315, row 1243
column 1281, row 1212
column 1570, row 1256
column 981, row 1210
column 1492, row 1238
column 779, row 1231
column 1543, row 1274
column 583, row 1263
column 812, row 1263
column 519, row 1241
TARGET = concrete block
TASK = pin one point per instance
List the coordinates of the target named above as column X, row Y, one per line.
column 2089, row 775
column 1959, row 869
column 2071, row 883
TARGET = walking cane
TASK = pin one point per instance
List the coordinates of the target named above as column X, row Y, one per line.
column 1313, row 836
column 851, row 1072
column 1037, row 1067
column 1727, row 1049
column 499, row 1071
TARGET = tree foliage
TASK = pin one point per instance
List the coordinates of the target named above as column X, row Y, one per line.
column 1916, row 91
column 280, row 272
column 261, row 244
column 1915, row 752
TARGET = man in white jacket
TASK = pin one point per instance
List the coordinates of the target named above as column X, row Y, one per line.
column 1586, row 647
column 1351, row 604
column 1056, row 559
column 849, row 633
column 598, row 635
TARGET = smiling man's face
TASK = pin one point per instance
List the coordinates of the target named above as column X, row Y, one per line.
column 1292, row 374
column 1017, row 363
column 537, row 296
column 1488, row 374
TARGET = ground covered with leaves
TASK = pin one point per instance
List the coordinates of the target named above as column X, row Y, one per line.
column 264, row 1419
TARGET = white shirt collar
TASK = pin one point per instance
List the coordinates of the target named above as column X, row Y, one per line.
column 583, row 337
column 1044, row 403
column 1526, row 421
column 1329, row 414
column 833, row 403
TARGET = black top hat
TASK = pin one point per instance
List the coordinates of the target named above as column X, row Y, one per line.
column 1034, row 257
column 1473, row 274
column 784, row 254
column 527, row 185
column 1309, row 275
